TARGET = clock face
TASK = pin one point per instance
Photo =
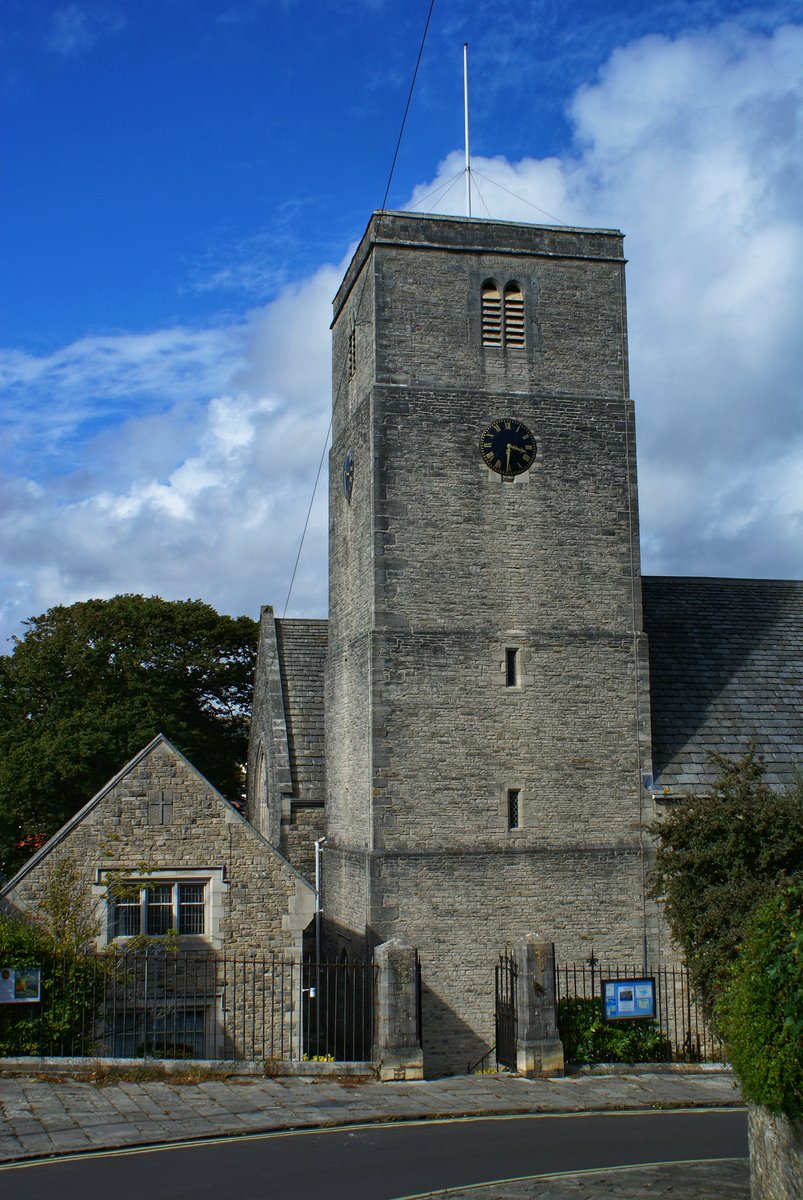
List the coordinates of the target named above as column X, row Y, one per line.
column 508, row 447
column 348, row 475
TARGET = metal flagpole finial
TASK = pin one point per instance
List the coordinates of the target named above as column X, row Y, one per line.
column 468, row 145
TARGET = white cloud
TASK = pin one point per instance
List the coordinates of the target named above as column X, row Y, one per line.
column 181, row 462
column 75, row 28
column 694, row 147
column 203, row 497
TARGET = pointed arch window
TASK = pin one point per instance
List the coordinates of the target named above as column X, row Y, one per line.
column 502, row 315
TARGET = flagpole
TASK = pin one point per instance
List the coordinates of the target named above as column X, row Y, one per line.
column 468, row 148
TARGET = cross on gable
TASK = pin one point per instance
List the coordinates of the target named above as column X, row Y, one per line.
column 160, row 808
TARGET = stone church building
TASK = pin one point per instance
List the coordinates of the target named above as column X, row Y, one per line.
column 500, row 704
column 473, row 747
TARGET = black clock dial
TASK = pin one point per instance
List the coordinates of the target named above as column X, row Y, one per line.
column 348, row 475
column 507, row 446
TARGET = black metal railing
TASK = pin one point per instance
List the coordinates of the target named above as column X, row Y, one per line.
column 162, row 1004
column 506, row 1023
column 685, row 1034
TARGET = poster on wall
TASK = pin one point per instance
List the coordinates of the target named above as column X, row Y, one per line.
column 628, row 999
column 20, row 985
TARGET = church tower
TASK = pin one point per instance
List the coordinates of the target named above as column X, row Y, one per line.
column 487, row 702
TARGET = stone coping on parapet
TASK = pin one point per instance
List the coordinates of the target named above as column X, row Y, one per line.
column 478, row 235
column 75, row 1067
column 97, row 1069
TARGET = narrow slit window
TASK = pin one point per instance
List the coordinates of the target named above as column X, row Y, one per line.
column 352, row 351
column 514, row 315
column 513, row 808
column 511, row 667
column 491, row 314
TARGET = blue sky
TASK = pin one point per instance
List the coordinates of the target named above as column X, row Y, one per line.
column 182, row 181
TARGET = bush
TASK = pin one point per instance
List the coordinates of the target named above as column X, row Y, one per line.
column 587, row 1038
column 62, row 1022
column 762, row 1009
column 718, row 857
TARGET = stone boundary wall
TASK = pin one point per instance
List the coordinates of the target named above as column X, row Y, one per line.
column 776, row 1156
column 80, row 1067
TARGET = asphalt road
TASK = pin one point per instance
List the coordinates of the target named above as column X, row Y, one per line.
column 383, row 1162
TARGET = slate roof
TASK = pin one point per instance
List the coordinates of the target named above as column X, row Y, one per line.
column 726, row 668
column 302, row 655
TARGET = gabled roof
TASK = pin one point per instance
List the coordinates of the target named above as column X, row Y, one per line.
column 726, row 670
column 69, row 826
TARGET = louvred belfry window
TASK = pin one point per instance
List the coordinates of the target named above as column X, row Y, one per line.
column 514, row 315
column 502, row 315
column 491, row 314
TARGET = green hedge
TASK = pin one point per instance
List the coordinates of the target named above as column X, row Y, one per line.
column 762, row 1009
column 62, row 1022
column 587, row 1038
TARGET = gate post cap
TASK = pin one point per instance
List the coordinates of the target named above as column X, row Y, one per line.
column 392, row 944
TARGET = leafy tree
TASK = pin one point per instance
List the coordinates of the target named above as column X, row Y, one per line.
column 720, row 855
column 762, row 1009
column 91, row 683
column 67, row 913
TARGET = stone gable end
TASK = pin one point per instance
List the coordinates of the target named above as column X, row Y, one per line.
column 159, row 819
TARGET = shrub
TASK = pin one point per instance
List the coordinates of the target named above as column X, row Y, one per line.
column 762, row 1008
column 62, row 1022
column 587, row 1038
column 718, row 857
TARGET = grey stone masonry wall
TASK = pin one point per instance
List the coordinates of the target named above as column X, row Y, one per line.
column 776, row 1156
column 286, row 763
column 461, row 907
column 306, row 823
column 160, row 819
column 439, row 568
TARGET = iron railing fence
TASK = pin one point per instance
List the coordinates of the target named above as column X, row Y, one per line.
column 679, row 1016
column 162, row 1004
column 506, row 1023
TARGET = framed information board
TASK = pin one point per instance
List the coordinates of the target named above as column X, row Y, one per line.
column 20, row 985
column 628, row 999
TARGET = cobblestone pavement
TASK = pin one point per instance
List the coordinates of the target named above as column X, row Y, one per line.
column 61, row 1115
